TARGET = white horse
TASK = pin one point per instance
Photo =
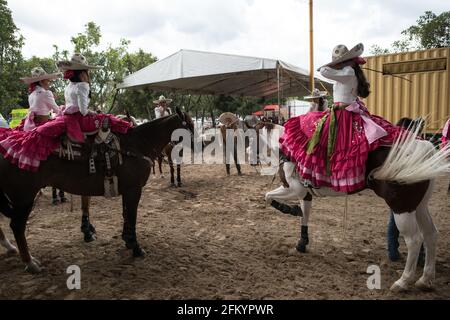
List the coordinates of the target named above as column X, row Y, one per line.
column 410, row 161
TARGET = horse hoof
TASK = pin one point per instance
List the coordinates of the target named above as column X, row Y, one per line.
column 138, row 252
column 301, row 248
column 424, row 285
column 240, row 174
column 172, row 185
column 33, row 267
column 399, row 287
column 161, row 176
column 90, row 237
column 179, row 185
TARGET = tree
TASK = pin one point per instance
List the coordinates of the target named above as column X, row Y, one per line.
column 11, row 61
column 431, row 31
column 137, row 102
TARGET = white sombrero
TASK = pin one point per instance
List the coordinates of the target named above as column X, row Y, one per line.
column 39, row 74
column 316, row 94
column 78, row 62
column 162, row 99
column 227, row 118
column 342, row 54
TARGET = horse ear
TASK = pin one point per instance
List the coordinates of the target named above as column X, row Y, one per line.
column 179, row 112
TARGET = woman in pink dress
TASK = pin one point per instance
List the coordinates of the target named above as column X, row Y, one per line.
column 41, row 99
column 27, row 149
column 331, row 147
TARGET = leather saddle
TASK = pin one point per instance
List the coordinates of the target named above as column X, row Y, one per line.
column 101, row 151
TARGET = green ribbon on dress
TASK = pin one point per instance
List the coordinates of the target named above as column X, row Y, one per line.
column 315, row 139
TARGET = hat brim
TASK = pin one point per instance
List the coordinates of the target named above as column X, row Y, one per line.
column 51, row 76
column 322, row 95
column 159, row 101
column 70, row 65
column 355, row 52
column 227, row 118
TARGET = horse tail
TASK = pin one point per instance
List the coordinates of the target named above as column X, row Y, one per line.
column 412, row 161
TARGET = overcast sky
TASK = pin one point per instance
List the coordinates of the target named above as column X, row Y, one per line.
column 263, row 28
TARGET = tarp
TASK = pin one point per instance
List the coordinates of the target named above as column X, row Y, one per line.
column 198, row 72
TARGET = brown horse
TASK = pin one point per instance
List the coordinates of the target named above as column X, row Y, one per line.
column 18, row 188
column 403, row 176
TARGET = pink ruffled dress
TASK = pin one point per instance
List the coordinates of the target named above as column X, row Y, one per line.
column 27, row 149
column 337, row 161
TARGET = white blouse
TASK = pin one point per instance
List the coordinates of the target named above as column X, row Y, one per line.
column 159, row 112
column 77, row 98
column 346, row 86
column 42, row 102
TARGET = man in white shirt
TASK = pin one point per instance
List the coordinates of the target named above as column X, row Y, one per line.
column 162, row 107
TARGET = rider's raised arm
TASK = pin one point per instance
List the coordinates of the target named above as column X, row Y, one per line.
column 341, row 75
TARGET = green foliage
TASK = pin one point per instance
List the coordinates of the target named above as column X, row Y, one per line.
column 431, row 31
column 11, row 61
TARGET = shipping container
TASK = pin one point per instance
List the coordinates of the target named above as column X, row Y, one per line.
column 411, row 84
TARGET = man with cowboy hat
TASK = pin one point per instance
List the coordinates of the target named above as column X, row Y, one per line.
column 41, row 99
column 319, row 101
column 162, row 107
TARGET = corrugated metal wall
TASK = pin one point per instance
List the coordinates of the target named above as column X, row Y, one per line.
column 427, row 95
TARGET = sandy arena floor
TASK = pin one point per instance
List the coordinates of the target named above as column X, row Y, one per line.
column 214, row 239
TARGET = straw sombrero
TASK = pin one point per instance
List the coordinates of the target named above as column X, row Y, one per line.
column 342, row 54
column 78, row 62
column 162, row 99
column 316, row 94
column 227, row 118
column 39, row 74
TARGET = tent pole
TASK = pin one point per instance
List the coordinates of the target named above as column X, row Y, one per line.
column 311, row 43
column 278, row 81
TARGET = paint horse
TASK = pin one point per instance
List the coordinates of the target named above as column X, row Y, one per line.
column 18, row 188
column 403, row 175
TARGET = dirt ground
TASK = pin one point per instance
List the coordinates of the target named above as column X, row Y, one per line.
column 215, row 239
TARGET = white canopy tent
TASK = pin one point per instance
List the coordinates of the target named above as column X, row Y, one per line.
column 197, row 72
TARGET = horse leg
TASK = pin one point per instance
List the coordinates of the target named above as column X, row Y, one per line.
column 172, row 173
column 54, row 196
column 409, row 229
column 4, row 242
column 18, row 225
column 430, row 236
column 130, row 202
column 304, row 236
column 295, row 192
column 236, row 162
column 160, row 160
column 86, row 227
column 179, row 185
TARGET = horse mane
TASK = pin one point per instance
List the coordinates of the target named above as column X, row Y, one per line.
column 412, row 161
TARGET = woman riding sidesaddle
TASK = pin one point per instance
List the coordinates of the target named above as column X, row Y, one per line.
column 27, row 149
column 331, row 147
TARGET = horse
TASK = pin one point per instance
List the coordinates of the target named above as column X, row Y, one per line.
column 87, row 228
column 403, row 175
column 18, row 188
